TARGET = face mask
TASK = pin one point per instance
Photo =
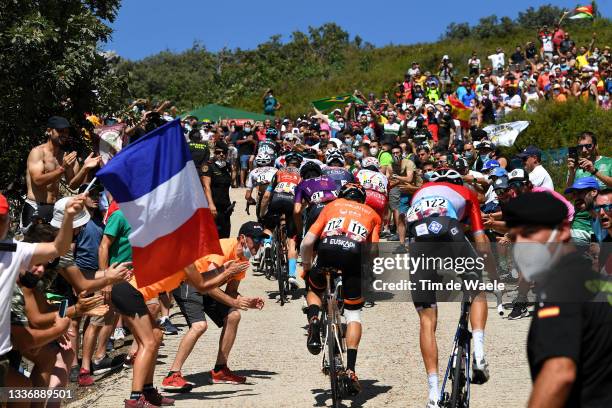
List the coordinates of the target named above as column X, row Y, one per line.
column 427, row 175
column 246, row 252
column 468, row 155
column 374, row 151
column 484, row 157
column 187, row 127
column 247, row 129
column 359, row 155
column 221, row 163
column 341, row 125
column 534, row 258
column 29, row 280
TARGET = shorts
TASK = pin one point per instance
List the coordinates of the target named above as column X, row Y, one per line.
column 244, row 161
column 32, row 210
column 312, row 213
column 394, row 198
column 376, row 201
column 194, row 306
column 428, row 234
column 404, row 203
column 128, row 301
column 282, row 203
column 344, row 254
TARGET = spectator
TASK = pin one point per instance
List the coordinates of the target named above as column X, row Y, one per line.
column 589, row 162
column 474, row 64
column 518, row 58
column 217, row 183
column 246, row 151
column 497, row 59
column 270, row 103
column 582, row 193
column 558, row 94
column 538, row 176
column 547, row 48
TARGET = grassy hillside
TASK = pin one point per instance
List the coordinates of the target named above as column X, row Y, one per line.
column 320, row 63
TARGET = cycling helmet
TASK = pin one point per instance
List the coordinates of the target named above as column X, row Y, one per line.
column 370, row 162
column 447, row 175
column 271, row 133
column 293, row 157
column 353, row 191
column 310, row 170
column 309, row 153
column 264, row 159
column 332, row 155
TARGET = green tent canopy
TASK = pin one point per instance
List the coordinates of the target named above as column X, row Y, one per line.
column 216, row 113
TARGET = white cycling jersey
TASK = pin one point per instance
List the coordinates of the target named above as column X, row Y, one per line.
column 260, row 176
column 373, row 180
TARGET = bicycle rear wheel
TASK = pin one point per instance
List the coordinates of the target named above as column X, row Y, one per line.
column 281, row 267
column 458, row 378
column 331, row 348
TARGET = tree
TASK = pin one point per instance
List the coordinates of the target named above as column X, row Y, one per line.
column 51, row 65
column 457, row 31
column 544, row 15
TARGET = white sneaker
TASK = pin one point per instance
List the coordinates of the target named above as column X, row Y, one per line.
column 119, row 333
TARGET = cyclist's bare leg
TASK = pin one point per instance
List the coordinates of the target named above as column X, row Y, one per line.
column 479, row 312
column 428, row 318
column 312, row 298
column 292, row 257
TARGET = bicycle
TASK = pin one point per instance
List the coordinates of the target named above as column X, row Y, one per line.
column 334, row 344
column 459, row 368
column 280, row 261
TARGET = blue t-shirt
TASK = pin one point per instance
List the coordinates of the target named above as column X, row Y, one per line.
column 87, row 243
column 269, row 104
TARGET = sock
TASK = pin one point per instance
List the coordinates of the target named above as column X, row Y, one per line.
column 170, row 373
column 434, row 393
column 351, row 358
column 292, row 267
column 219, row 367
column 148, row 387
column 135, row 395
column 313, row 311
column 478, row 336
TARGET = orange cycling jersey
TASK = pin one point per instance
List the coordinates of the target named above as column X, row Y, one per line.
column 285, row 180
column 354, row 220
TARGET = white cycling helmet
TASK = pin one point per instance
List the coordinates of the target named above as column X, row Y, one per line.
column 447, row 175
column 264, row 159
column 334, row 154
column 370, row 162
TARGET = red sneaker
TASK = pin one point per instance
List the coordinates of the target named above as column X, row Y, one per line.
column 139, row 403
column 176, row 383
column 225, row 376
column 154, row 397
column 85, row 379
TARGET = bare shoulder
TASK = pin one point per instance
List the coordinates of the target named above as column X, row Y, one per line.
column 37, row 152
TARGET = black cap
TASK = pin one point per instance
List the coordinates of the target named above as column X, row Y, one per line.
column 253, row 229
column 534, row 209
column 57, row 122
column 531, row 151
column 221, row 145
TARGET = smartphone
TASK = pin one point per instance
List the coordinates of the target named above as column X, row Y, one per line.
column 572, row 152
column 63, row 308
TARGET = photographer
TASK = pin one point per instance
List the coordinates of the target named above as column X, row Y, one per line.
column 584, row 161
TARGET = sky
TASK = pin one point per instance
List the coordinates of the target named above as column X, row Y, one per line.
column 146, row 27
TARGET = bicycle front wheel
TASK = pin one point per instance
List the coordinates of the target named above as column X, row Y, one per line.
column 457, row 395
column 331, row 348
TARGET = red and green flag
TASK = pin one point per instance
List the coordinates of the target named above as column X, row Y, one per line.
column 334, row 101
column 582, row 12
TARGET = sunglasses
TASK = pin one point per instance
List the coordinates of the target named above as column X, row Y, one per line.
column 605, row 207
column 587, row 146
column 220, row 152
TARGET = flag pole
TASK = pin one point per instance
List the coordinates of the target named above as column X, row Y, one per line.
column 563, row 16
column 90, row 185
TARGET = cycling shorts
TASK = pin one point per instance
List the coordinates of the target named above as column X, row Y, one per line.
column 312, row 213
column 282, row 203
column 345, row 255
column 376, row 201
column 428, row 234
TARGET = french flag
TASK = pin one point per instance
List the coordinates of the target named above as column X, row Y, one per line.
column 156, row 185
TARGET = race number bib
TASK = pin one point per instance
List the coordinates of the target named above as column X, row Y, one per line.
column 429, row 206
column 316, row 196
column 285, row 188
column 333, row 227
column 264, row 178
column 372, row 182
column 357, row 231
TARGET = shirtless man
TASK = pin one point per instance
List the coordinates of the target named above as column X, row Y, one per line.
column 47, row 164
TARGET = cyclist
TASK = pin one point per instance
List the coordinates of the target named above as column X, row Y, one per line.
column 260, row 177
column 269, row 145
column 335, row 168
column 439, row 211
column 315, row 190
column 280, row 197
column 344, row 227
column 375, row 183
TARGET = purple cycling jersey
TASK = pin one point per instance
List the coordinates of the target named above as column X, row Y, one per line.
column 316, row 190
column 340, row 175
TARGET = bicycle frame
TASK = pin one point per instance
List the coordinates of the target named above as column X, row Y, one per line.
column 461, row 341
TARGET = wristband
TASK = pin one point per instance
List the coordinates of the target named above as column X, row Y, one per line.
column 595, row 172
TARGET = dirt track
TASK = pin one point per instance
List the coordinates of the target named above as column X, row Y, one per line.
column 271, row 350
